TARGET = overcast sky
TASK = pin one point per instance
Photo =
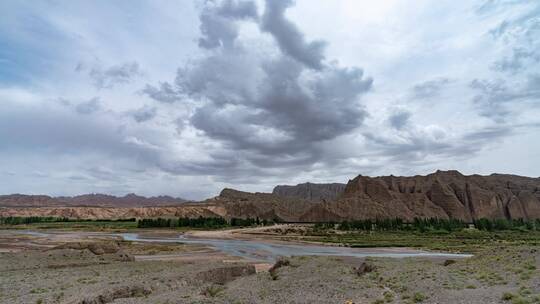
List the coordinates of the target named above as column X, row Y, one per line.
column 187, row 97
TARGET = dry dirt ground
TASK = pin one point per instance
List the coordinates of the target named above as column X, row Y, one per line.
column 87, row 270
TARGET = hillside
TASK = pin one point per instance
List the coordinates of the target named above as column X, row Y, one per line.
column 443, row 194
column 311, row 191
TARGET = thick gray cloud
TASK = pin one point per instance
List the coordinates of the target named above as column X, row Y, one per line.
column 287, row 114
column 289, row 38
column 263, row 104
column 217, row 26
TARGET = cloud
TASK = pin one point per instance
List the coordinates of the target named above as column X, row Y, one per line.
column 88, row 107
column 48, row 128
column 257, row 98
column 517, row 60
column 399, row 119
column 430, row 88
column 497, row 100
column 143, row 114
column 217, row 22
column 114, row 75
column 289, row 38
column 164, row 93
column 504, row 96
column 262, row 104
column 421, row 145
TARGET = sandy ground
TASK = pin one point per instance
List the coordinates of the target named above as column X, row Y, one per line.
column 241, row 233
column 32, row 271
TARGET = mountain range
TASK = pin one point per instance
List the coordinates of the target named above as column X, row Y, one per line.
column 87, row 200
column 442, row 194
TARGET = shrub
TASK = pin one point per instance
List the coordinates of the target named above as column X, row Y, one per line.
column 281, row 262
column 388, row 296
column 212, row 291
column 520, row 300
column 449, row 262
column 507, row 296
column 419, row 297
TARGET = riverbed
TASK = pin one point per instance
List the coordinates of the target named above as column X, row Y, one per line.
column 258, row 249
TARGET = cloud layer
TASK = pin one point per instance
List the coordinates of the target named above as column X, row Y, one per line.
column 249, row 94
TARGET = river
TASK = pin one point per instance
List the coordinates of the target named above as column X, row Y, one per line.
column 263, row 250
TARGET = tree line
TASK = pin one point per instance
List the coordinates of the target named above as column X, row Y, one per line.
column 430, row 224
column 201, row 222
column 503, row 224
column 418, row 224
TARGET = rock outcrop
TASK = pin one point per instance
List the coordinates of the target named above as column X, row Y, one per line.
column 311, row 191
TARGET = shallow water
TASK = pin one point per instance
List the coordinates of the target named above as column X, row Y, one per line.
column 269, row 251
column 260, row 250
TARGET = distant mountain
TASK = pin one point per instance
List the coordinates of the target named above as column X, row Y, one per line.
column 310, row 191
column 443, row 194
column 90, row 200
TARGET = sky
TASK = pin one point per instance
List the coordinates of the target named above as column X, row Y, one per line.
column 186, row 97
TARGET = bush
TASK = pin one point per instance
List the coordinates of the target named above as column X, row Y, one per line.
column 419, row 297
column 507, row 296
column 281, row 262
column 212, row 291
column 449, row 262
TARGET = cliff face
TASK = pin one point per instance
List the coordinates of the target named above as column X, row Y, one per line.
column 310, row 191
column 443, row 194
